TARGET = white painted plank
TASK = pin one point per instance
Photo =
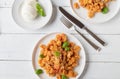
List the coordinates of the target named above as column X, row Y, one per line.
column 17, row 46
column 20, row 47
column 102, row 71
column 61, row 2
column 108, row 53
column 17, row 70
column 8, row 3
column 23, row 70
column 9, row 26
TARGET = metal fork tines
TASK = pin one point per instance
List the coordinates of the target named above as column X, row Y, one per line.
column 68, row 24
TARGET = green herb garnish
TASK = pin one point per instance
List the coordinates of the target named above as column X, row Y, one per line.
column 105, row 10
column 67, row 48
column 57, row 53
column 38, row 71
column 65, row 44
column 64, row 77
column 40, row 10
column 42, row 56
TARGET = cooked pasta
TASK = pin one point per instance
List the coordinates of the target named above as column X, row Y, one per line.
column 59, row 57
column 93, row 6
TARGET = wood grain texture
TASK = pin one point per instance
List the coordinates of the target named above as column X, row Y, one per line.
column 23, row 70
column 17, row 44
column 20, row 47
column 9, row 26
column 8, row 3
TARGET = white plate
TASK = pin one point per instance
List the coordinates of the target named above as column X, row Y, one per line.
column 114, row 7
column 38, row 22
column 45, row 40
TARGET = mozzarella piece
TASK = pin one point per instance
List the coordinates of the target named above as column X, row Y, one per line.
column 28, row 10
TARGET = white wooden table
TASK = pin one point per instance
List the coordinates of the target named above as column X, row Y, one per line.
column 16, row 45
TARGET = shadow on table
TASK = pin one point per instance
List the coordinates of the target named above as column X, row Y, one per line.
column 54, row 15
column 115, row 18
column 86, row 67
column 53, row 18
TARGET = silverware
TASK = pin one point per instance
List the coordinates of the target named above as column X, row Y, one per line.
column 68, row 24
column 80, row 25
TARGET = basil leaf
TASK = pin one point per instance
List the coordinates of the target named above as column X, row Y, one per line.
column 105, row 10
column 42, row 56
column 57, row 53
column 67, row 48
column 39, row 71
column 64, row 77
column 40, row 10
column 65, row 44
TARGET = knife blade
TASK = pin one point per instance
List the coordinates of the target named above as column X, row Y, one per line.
column 71, row 18
column 81, row 25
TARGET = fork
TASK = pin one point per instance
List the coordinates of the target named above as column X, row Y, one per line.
column 68, row 24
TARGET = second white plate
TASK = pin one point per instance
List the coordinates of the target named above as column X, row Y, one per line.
column 114, row 7
column 38, row 22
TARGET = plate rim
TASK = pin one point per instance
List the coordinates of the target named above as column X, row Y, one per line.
column 39, row 41
column 27, row 28
column 70, row 1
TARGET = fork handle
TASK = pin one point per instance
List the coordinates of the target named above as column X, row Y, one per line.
column 90, row 42
column 95, row 36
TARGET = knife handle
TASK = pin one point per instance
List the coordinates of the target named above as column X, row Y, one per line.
column 90, row 42
column 96, row 37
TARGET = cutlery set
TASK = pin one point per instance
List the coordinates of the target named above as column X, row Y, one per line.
column 68, row 20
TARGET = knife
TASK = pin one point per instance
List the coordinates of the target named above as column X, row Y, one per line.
column 81, row 25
